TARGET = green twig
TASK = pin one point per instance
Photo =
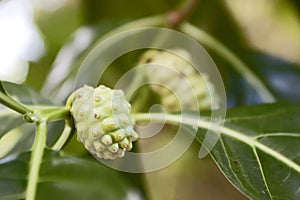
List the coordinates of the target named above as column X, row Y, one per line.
column 2, row 88
column 36, row 159
column 42, row 116
column 206, row 39
column 13, row 104
column 175, row 18
column 68, row 124
column 64, row 136
column 58, row 114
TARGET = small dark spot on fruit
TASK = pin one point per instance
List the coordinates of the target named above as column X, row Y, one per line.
column 148, row 60
column 96, row 115
column 81, row 113
column 181, row 75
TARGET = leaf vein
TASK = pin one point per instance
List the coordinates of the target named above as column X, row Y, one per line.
column 230, row 166
column 262, row 173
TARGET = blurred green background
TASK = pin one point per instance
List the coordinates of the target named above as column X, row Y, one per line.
column 270, row 26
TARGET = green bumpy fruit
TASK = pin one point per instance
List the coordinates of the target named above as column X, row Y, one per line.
column 178, row 83
column 103, row 121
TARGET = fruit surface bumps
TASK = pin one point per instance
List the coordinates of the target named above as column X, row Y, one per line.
column 179, row 85
column 103, row 122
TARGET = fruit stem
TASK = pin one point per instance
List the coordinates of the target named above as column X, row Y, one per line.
column 68, row 123
column 36, row 159
column 64, row 136
column 58, row 114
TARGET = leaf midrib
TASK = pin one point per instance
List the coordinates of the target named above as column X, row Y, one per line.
column 256, row 144
column 262, row 173
column 203, row 123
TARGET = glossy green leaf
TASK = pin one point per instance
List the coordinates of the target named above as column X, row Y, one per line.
column 61, row 177
column 10, row 119
column 17, row 135
column 259, row 152
column 25, row 94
